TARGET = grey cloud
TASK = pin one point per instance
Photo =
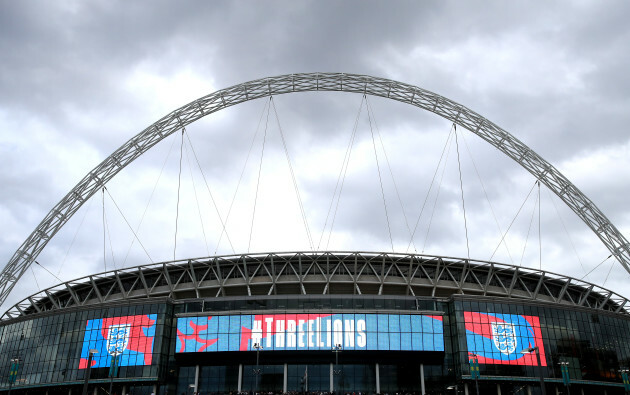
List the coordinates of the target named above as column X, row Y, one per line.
column 65, row 66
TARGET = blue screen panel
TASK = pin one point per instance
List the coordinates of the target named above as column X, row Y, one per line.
column 404, row 332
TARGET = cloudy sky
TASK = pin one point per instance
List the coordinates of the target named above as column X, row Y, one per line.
column 79, row 78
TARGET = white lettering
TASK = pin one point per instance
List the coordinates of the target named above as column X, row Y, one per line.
column 338, row 334
column 310, row 334
column 349, row 330
column 300, row 333
column 328, row 324
column 269, row 321
column 280, row 333
column 318, row 337
column 290, row 333
column 256, row 332
column 361, row 339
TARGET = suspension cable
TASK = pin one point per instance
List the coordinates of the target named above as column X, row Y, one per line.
column 341, row 179
column 103, row 220
column 214, row 203
column 380, row 180
column 426, row 198
column 51, row 273
column 240, row 179
column 192, row 179
column 74, row 237
column 179, row 184
column 146, row 208
column 514, row 219
column 128, row 225
column 391, row 173
column 529, row 228
column 295, row 184
column 109, row 234
column 609, row 271
column 593, row 269
column 35, row 278
column 566, row 231
column 461, row 188
column 539, row 234
column 439, row 189
column 485, row 192
column 262, row 155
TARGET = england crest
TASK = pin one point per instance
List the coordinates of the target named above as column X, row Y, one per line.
column 118, row 339
column 504, row 337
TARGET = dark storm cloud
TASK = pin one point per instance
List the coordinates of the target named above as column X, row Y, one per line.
column 78, row 79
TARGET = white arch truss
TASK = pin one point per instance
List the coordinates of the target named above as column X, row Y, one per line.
column 289, row 83
column 262, row 275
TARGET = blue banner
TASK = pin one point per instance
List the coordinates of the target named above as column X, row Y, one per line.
column 391, row 332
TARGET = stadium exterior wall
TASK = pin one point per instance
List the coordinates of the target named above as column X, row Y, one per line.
column 387, row 343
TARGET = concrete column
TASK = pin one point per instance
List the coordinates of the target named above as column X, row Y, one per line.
column 529, row 390
column 95, row 390
column 422, row 379
column 70, row 392
column 332, row 381
column 240, row 378
column 154, row 389
column 582, row 390
column 498, row 389
column 557, row 392
column 465, row 388
column 284, row 381
column 378, row 380
column 196, row 378
column 124, row 390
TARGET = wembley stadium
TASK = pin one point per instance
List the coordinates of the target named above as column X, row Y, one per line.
column 317, row 321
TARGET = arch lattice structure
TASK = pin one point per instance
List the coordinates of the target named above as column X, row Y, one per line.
column 616, row 243
column 321, row 273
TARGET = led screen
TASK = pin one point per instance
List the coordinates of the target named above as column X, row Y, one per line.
column 403, row 332
column 500, row 338
column 128, row 338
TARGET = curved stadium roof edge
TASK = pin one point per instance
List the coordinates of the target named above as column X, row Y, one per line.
column 321, row 273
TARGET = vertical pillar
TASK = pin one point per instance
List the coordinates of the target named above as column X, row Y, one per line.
column 378, row 379
column 332, row 381
column 582, row 390
column 196, row 379
column 95, row 390
column 124, row 390
column 422, row 379
column 70, row 391
column 498, row 389
column 529, row 390
column 154, row 389
column 466, row 389
column 557, row 392
column 284, row 382
column 240, row 378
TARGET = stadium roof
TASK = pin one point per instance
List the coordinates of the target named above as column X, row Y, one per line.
column 320, row 273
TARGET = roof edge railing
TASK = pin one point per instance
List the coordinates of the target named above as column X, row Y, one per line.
column 131, row 283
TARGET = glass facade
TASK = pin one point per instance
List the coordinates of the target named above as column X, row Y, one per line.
column 55, row 348
column 596, row 345
column 176, row 347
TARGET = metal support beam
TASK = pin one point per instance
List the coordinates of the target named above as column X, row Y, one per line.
column 584, row 208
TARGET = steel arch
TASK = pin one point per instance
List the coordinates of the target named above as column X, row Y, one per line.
column 446, row 108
